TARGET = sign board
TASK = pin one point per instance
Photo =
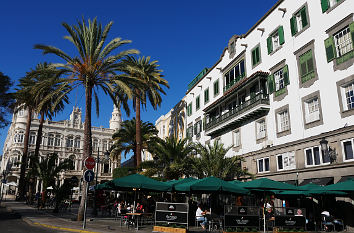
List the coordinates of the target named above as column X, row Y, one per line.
column 290, row 221
column 171, row 212
column 89, row 175
column 242, row 216
column 90, row 162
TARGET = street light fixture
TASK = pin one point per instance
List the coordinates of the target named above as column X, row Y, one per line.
column 327, row 151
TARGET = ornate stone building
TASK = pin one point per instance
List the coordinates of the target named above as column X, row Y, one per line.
column 62, row 137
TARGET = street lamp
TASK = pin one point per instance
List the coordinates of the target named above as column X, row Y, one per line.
column 106, row 158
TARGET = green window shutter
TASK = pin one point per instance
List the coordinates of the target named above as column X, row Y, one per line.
column 330, row 50
column 303, row 66
column 269, row 44
column 351, row 28
column 286, row 75
column 304, row 17
column 204, row 122
column 293, row 26
column 310, row 66
column 254, row 57
column 281, row 35
column 324, row 5
column 257, row 55
column 271, row 83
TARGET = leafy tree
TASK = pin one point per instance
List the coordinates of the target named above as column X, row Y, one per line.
column 45, row 82
column 25, row 99
column 94, row 67
column 172, row 159
column 125, row 138
column 48, row 169
column 211, row 161
column 150, row 75
column 6, row 99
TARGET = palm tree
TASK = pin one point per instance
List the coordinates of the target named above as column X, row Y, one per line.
column 47, row 170
column 125, row 138
column 212, row 162
column 24, row 99
column 150, row 75
column 45, row 82
column 172, row 159
column 94, row 67
column 6, row 99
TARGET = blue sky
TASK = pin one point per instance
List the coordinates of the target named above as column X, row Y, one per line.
column 184, row 36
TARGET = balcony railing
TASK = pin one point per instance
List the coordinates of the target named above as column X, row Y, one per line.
column 247, row 105
column 234, row 81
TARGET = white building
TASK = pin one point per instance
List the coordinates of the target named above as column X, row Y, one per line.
column 62, row 137
column 279, row 89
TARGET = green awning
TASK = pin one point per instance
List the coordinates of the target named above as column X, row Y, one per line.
column 209, row 185
column 141, row 182
column 264, row 184
column 345, row 186
column 180, row 181
column 104, row 186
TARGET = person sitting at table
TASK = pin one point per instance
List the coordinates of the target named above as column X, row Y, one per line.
column 199, row 216
column 139, row 208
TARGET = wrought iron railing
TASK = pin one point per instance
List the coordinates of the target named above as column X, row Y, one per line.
column 247, row 105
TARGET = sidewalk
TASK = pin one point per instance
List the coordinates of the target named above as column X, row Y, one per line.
column 63, row 223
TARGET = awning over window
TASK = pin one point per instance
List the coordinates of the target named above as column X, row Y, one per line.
column 318, row 181
column 345, row 178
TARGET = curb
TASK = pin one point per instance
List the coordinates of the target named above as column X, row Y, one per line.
column 63, row 228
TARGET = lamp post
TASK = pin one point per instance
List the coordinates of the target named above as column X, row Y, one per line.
column 106, row 157
column 330, row 154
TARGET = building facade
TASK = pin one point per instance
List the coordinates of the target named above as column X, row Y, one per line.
column 280, row 90
column 62, row 137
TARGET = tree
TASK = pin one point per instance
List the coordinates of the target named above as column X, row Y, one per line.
column 212, row 162
column 125, row 138
column 148, row 73
column 6, row 99
column 24, row 99
column 93, row 68
column 45, row 82
column 172, row 159
column 47, row 170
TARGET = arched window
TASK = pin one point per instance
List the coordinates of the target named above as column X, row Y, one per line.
column 77, row 142
column 95, row 144
column 50, row 139
column 70, row 141
column 21, row 112
column 32, row 138
column 57, row 140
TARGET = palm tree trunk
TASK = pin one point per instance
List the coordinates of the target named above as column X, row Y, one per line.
column 138, row 130
column 87, row 147
column 22, row 182
column 32, row 180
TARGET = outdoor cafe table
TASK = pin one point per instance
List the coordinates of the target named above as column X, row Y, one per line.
column 136, row 217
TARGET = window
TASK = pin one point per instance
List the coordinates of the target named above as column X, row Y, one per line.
column 32, row 138
column 340, row 45
column 77, row 142
column 106, row 167
column 327, row 4
column 206, row 96
column 286, row 161
column 261, row 129
column 190, row 132
column 299, row 21
column 95, row 144
column 263, row 165
column 237, row 138
column 104, row 145
column 73, row 162
column 235, row 74
column 283, row 121
column 57, row 140
column 198, row 128
column 348, row 150
column 307, row 70
column 278, row 81
column 189, row 109
column 70, row 141
column 312, row 110
column 197, row 103
column 275, row 40
column 349, row 96
column 216, row 87
column 314, row 157
column 19, row 136
column 21, row 112
column 51, row 139
column 256, row 56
